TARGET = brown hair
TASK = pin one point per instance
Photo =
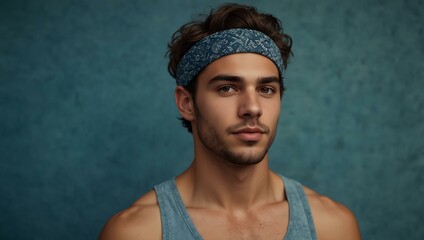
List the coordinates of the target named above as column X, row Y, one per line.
column 225, row 17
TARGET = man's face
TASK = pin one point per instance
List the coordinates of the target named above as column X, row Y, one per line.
column 237, row 107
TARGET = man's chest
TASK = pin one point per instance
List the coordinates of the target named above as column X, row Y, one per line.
column 265, row 223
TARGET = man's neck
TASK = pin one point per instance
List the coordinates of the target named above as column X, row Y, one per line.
column 214, row 183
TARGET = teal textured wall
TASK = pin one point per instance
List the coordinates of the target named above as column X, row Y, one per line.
column 88, row 123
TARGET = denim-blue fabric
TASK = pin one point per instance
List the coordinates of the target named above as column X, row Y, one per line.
column 177, row 224
column 219, row 44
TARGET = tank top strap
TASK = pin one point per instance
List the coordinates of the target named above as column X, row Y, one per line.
column 301, row 225
column 176, row 223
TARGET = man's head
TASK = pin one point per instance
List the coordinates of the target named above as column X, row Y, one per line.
column 235, row 115
column 229, row 16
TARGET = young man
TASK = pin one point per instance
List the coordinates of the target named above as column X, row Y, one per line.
column 230, row 70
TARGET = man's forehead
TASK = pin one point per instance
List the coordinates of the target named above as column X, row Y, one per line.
column 241, row 79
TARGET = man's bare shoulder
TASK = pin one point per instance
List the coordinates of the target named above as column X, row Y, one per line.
column 140, row 221
column 332, row 220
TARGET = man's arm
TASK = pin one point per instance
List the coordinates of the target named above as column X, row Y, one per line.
column 140, row 221
column 332, row 220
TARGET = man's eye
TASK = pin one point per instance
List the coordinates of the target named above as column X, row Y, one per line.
column 267, row 90
column 226, row 89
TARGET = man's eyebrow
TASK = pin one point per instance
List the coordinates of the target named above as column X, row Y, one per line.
column 233, row 78
column 228, row 78
column 265, row 80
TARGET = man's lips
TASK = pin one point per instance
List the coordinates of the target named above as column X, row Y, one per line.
column 249, row 134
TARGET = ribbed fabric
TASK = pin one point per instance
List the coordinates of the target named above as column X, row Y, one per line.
column 177, row 224
column 301, row 224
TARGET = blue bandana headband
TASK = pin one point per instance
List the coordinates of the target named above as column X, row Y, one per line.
column 219, row 44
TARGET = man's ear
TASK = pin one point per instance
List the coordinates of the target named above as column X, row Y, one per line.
column 185, row 103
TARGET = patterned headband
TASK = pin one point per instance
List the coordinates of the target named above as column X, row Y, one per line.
column 219, row 44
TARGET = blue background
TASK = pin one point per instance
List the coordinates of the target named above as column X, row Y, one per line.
column 88, row 122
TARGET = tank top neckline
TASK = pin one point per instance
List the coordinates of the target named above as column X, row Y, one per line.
column 183, row 210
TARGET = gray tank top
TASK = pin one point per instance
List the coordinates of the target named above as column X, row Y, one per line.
column 176, row 223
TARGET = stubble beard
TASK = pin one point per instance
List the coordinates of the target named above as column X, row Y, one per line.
column 210, row 138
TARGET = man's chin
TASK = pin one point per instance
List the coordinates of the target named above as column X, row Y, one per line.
column 245, row 158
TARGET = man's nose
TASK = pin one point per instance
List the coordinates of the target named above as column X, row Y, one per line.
column 249, row 105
